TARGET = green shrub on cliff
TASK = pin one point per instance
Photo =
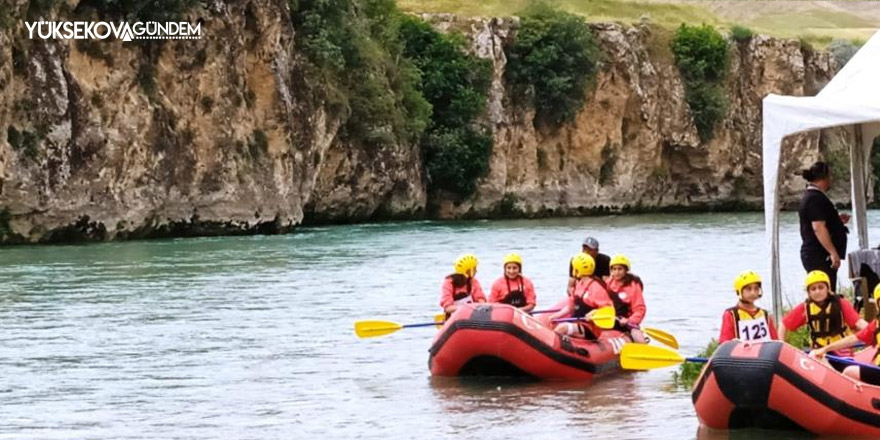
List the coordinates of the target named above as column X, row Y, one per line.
column 399, row 80
column 551, row 62
column 455, row 150
column 708, row 105
column 741, row 33
column 701, row 55
column 455, row 83
column 455, row 159
column 355, row 52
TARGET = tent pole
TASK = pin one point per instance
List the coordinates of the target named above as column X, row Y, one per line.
column 775, row 280
column 858, row 167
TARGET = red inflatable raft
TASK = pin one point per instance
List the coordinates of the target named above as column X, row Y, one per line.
column 499, row 340
column 772, row 385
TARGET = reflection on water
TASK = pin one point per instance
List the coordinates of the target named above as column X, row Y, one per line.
column 251, row 337
column 522, row 407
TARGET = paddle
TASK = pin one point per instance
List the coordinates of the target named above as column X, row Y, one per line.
column 647, row 357
column 661, row 337
column 372, row 329
column 603, row 317
column 440, row 317
column 848, row 361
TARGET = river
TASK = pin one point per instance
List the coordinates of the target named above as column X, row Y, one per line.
column 251, row 337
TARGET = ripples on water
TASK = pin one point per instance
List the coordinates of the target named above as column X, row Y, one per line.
column 250, row 337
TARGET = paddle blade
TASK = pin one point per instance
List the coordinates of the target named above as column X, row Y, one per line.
column 661, row 337
column 372, row 329
column 647, row 357
column 604, row 317
column 439, row 319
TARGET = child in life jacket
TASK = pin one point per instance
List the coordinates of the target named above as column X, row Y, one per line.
column 829, row 316
column 746, row 321
column 625, row 291
column 590, row 293
column 461, row 287
column 870, row 335
column 513, row 288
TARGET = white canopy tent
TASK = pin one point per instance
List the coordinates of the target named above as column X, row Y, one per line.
column 852, row 97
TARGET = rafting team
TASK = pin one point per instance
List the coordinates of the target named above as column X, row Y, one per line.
column 597, row 281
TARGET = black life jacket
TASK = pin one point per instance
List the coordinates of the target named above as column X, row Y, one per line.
column 580, row 308
column 826, row 322
column 516, row 298
column 462, row 295
column 621, row 308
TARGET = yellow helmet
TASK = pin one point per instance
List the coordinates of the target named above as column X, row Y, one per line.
column 513, row 258
column 583, row 265
column 465, row 264
column 877, row 294
column 620, row 260
column 744, row 279
column 817, row 276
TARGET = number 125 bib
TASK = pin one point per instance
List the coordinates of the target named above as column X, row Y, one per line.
column 753, row 330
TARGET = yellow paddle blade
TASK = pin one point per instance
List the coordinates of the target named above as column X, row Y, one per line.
column 371, row 329
column 646, row 357
column 604, row 317
column 661, row 337
column 440, row 318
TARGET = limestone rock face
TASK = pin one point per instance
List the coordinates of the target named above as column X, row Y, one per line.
column 228, row 134
column 218, row 135
column 634, row 144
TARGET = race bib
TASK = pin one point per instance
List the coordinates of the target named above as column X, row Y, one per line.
column 754, row 330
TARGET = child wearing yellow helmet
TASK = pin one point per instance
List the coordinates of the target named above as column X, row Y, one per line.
column 870, row 335
column 746, row 321
column 590, row 293
column 461, row 287
column 829, row 316
column 625, row 291
column 513, row 288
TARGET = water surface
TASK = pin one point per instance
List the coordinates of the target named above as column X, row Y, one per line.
column 251, row 337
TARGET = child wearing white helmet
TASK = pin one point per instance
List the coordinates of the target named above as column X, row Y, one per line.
column 625, row 291
column 746, row 321
column 870, row 335
column 830, row 317
column 513, row 288
column 461, row 287
column 589, row 295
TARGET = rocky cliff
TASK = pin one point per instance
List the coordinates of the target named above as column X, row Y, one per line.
column 634, row 145
column 226, row 134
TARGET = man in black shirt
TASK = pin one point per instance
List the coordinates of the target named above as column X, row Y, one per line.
column 823, row 233
column 591, row 246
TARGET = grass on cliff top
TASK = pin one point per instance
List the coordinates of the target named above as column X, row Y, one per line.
column 815, row 23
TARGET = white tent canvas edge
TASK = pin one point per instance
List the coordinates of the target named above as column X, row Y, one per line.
column 851, row 97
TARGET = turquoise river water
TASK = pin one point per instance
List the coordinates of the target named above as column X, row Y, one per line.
column 251, row 337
